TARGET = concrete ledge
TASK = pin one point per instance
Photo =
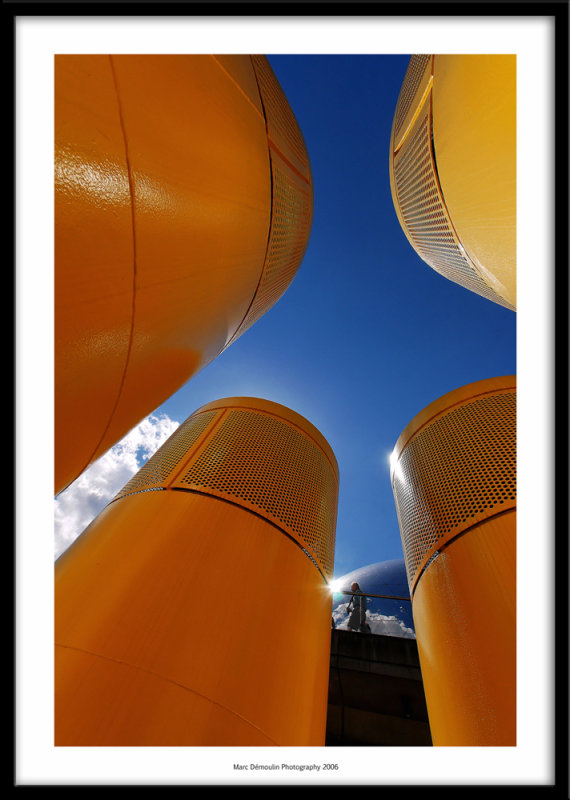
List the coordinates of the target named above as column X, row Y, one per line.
column 376, row 694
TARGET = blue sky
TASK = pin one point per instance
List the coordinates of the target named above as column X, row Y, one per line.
column 367, row 334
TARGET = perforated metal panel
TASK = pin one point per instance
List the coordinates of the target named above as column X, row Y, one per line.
column 273, row 468
column 457, row 470
column 154, row 474
column 424, row 215
column 292, row 196
column 290, row 228
column 282, row 126
column 410, row 84
column 258, row 460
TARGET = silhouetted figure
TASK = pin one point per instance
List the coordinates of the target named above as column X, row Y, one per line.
column 357, row 619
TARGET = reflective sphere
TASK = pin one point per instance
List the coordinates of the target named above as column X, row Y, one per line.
column 385, row 616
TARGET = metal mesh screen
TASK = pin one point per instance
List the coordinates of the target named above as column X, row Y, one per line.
column 155, row 472
column 280, row 119
column 410, row 84
column 271, row 467
column 423, row 212
column 457, row 470
column 290, row 228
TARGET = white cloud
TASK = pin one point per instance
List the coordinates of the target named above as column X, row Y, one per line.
column 389, row 626
column 80, row 503
column 380, row 624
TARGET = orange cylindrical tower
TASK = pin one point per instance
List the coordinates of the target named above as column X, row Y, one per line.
column 453, row 169
column 454, row 481
column 183, row 207
column 195, row 609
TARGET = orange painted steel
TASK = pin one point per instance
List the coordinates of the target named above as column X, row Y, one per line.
column 183, row 208
column 453, row 169
column 195, row 609
column 454, row 481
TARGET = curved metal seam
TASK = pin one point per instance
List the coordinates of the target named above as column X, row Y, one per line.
column 417, row 242
column 439, row 187
column 311, row 556
column 163, row 678
column 291, row 166
column 134, row 242
column 401, row 141
column 262, row 516
column 230, row 77
column 270, row 228
column 198, row 444
column 405, row 99
column 444, row 545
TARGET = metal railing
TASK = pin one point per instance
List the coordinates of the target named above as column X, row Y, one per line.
column 381, row 596
column 367, row 620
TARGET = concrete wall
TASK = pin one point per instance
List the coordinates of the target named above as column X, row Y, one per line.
column 376, row 694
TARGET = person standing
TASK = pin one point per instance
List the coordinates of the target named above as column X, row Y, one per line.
column 357, row 619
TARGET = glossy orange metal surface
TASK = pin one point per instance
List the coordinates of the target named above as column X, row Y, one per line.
column 453, row 169
column 454, row 481
column 94, row 273
column 188, row 615
column 474, row 130
column 166, row 211
column 464, row 609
